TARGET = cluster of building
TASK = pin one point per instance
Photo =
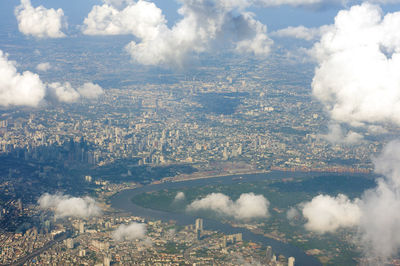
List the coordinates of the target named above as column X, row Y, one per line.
column 275, row 125
column 160, row 124
column 92, row 242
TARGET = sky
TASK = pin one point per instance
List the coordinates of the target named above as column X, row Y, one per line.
column 274, row 17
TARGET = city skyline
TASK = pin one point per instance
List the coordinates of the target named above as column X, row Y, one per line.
column 189, row 130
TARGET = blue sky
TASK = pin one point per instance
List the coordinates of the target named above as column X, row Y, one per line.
column 274, row 17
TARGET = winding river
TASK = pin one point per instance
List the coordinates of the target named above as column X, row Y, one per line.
column 122, row 201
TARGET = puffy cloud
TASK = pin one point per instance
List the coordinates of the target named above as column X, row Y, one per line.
column 67, row 206
column 179, row 196
column 43, row 67
column 205, row 24
column 27, row 89
column 380, row 224
column 90, row 90
column 19, row 89
column 40, row 22
column 301, row 32
column 336, row 135
column 248, row 206
column 327, row 214
column 130, row 232
column 357, row 77
column 63, row 92
column 376, row 214
column 142, row 19
column 118, row 3
column 292, row 214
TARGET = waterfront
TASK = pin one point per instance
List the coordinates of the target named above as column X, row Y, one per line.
column 122, row 201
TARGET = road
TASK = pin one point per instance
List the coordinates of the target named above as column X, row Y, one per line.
column 38, row 251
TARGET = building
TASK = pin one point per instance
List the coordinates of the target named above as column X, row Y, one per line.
column 199, row 224
column 199, row 227
column 107, row 261
column 69, row 242
column 19, row 205
column 82, row 253
column 81, row 227
column 232, row 239
column 268, row 254
column 291, row 261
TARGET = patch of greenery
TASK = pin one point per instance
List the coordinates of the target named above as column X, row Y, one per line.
column 174, row 248
column 282, row 195
column 128, row 170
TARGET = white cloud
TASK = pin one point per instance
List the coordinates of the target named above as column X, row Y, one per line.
column 27, row 89
column 301, row 32
column 130, row 232
column 142, row 19
column 357, row 78
column 292, row 214
column 43, row 67
column 19, row 89
column 205, row 25
column 67, row 206
column 63, row 92
column 336, row 135
column 118, row 3
column 376, row 214
column 179, row 196
column 327, row 214
column 90, row 90
column 380, row 225
column 376, row 129
column 248, row 206
column 40, row 22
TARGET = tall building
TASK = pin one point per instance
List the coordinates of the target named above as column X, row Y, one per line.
column 107, row 261
column 268, row 254
column 199, row 224
column 88, row 178
column 19, row 205
column 199, row 227
column 81, row 227
column 291, row 261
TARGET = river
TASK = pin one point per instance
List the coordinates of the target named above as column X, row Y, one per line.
column 122, row 201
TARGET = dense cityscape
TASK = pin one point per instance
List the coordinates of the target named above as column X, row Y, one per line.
column 157, row 126
column 189, row 133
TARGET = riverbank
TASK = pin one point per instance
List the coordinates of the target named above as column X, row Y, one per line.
column 122, row 201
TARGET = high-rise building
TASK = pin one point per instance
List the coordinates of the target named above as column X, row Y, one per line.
column 268, row 254
column 291, row 261
column 19, row 203
column 199, row 227
column 82, row 253
column 107, row 261
column 199, row 224
column 81, row 227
